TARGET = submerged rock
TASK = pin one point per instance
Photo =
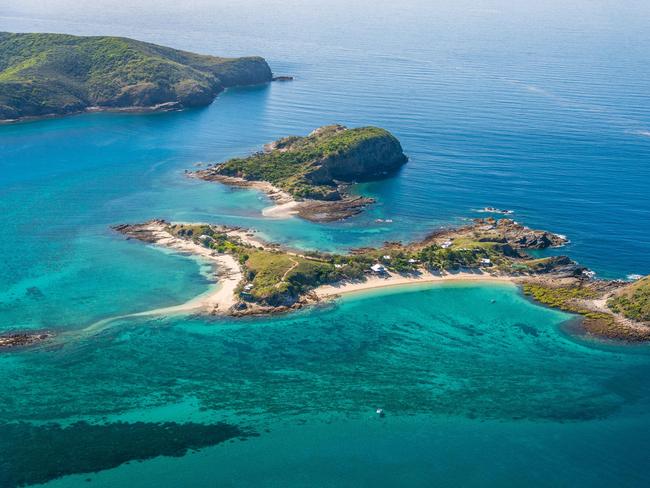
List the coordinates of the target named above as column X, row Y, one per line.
column 56, row 450
column 22, row 339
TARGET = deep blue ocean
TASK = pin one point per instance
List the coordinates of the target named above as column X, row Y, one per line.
column 542, row 109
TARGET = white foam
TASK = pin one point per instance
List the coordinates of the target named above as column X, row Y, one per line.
column 633, row 277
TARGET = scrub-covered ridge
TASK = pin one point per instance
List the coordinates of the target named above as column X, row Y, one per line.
column 58, row 74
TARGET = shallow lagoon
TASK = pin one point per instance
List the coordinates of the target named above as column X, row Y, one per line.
column 472, row 376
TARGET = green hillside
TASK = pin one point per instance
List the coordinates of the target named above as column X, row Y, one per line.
column 44, row 74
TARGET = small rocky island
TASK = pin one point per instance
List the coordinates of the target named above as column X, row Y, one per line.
column 259, row 278
column 309, row 176
column 59, row 74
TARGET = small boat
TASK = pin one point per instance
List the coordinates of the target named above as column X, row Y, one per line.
column 380, row 412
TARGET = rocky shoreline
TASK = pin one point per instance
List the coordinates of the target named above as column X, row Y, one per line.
column 173, row 106
column 286, row 205
column 135, row 109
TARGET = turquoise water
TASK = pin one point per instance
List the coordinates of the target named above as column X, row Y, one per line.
column 475, row 380
column 539, row 109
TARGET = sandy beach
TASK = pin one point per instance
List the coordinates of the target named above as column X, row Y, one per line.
column 218, row 299
column 282, row 210
column 374, row 282
column 284, row 207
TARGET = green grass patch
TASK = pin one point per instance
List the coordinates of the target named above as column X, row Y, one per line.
column 633, row 301
column 561, row 297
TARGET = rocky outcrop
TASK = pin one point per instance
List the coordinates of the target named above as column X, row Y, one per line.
column 141, row 232
column 370, row 159
column 560, row 266
column 524, row 237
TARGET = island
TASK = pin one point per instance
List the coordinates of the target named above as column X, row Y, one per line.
column 258, row 277
column 58, row 74
column 310, row 176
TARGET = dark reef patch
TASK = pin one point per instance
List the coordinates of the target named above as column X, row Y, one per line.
column 31, row 454
column 527, row 329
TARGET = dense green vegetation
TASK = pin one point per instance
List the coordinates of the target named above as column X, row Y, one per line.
column 309, row 167
column 43, row 74
column 634, row 301
column 279, row 278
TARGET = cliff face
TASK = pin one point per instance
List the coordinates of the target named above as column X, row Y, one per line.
column 56, row 74
column 369, row 159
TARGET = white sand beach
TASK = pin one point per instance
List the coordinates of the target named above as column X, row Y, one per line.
column 373, row 282
column 222, row 296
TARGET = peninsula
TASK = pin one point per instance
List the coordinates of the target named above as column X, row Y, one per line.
column 309, row 176
column 262, row 278
column 59, row 74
